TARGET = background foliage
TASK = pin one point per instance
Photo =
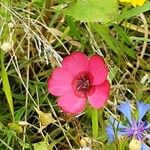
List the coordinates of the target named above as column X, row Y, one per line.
column 35, row 36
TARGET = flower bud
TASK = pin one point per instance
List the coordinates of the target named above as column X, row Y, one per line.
column 6, row 46
column 135, row 145
column 85, row 141
column 10, row 25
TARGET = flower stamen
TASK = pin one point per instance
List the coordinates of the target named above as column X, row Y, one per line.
column 82, row 84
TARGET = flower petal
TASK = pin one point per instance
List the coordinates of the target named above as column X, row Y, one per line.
column 76, row 62
column 145, row 147
column 98, row 69
column 120, row 130
column 110, row 133
column 60, row 82
column 125, row 109
column 137, row 2
column 116, row 124
column 100, row 95
column 142, row 108
column 70, row 103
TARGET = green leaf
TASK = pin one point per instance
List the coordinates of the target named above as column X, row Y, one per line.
column 123, row 41
column 6, row 85
column 118, row 47
column 133, row 12
column 74, row 31
column 122, row 34
column 130, row 52
column 104, row 32
column 93, row 10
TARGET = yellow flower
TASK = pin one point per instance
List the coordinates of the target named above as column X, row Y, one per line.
column 134, row 2
column 137, row 2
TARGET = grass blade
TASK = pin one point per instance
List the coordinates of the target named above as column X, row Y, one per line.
column 6, row 85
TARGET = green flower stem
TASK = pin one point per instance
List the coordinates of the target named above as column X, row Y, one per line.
column 95, row 123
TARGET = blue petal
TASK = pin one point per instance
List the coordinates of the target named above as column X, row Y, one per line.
column 115, row 125
column 145, row 147
column 142, row 108
column 110, row 133
column 126, row 110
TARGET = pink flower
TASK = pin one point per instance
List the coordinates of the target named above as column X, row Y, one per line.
column 80, row 79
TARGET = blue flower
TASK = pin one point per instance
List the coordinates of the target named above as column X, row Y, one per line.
column 135, row 128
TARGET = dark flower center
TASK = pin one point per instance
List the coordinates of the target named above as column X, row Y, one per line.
column 82, row 84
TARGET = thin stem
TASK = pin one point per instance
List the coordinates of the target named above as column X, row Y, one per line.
column 27, row 85
column 5, row 144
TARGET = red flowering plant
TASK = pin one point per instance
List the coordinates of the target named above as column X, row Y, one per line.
column 80, row 79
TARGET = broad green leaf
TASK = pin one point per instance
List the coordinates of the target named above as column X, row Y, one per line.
column 93, row 10
column 6, row 85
